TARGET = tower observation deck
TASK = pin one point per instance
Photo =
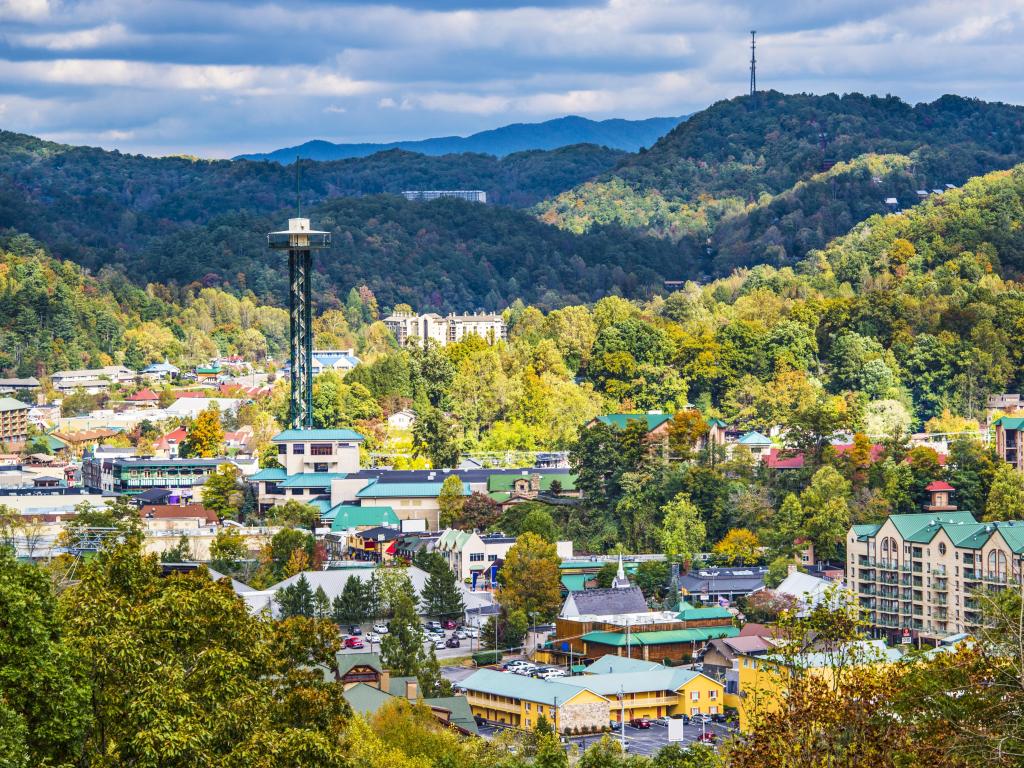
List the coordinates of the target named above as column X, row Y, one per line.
column 300, row 241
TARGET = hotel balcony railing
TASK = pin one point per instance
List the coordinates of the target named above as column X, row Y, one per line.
column 939, row 570
column 941, row 600
column 940, row 585
column 868, row 589
column 992, row 577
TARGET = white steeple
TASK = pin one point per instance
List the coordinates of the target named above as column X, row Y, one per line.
column 620, row 581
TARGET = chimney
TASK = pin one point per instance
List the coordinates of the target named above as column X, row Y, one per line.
column 411, row 690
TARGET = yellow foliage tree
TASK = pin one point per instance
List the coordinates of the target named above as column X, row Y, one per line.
column 739, row 546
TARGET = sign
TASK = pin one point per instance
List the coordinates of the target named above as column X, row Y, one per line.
column 675, row 729
column 906, row 639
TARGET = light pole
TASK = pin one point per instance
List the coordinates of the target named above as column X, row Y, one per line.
column 533, row 633
column 622, row 718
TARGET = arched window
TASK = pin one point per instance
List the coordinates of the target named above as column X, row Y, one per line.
column 997, row 564
column 890, row 551
column 942, row 548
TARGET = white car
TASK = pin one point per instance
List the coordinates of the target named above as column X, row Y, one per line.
column 471, row 631
column 380, row 629
column 439, row 645
column 371, row 637
column 461, row 634
column 547, row 674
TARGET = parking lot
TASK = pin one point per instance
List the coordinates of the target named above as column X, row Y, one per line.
column 638, row 741
column 466, row 647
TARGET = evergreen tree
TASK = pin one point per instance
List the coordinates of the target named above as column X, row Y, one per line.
column 429, row 679
column 321, row 604
column 296, row 599
column 181, row 553
column 441, row 597
column 401, row 649
column 350, row 606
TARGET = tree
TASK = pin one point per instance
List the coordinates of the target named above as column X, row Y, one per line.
column 826, row 512
column 441, row 597
column 606, row 575
column 433, row 436
column 511, row 632
column 685, row 431
column 401, row 649
column 778, row 570
column 972, row 467
column 1006, row 494
column 268, row 457
column 530, row 580
column 181, row 553
column 228, row 550
column 739, row 546
column 350, row 607
column 283, row 546
column 538, row 520
column 451, row 500
column 321, row 604
column 389, row 585
column 222, row 491
column 693, row 755
column 479, row 512
column 652, row 576
column 430, row 681
column 205, row 437
column 293, row 514
column 683, row 532
column 296, row 599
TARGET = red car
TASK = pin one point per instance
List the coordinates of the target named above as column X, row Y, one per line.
column 640, row 722
column 449, row 624
column 708, row 737
column 354, row 642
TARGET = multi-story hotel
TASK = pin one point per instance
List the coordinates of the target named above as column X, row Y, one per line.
column 920, row 575
column 445, row 330
column 13, row 420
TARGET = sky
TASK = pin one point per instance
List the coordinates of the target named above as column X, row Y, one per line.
column 223, row 77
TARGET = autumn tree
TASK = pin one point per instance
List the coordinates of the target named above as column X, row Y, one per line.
column 530, row 579
column 293, row 514
column 205, row 437
column 685, row 431
column 222, row 491
column 451, row 500
column 1006, row 494
column 433, row 436
column 739, row 546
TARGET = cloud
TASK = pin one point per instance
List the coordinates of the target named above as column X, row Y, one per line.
column 219, row 77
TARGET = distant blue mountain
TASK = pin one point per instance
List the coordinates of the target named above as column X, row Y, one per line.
column 629, row 135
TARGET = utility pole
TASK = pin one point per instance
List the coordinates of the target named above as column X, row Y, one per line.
column 622, row 718
column 753, row 62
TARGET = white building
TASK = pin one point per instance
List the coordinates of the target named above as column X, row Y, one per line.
column 402, row 420
column 471, row 195
column 92, row 380
column 489, row 326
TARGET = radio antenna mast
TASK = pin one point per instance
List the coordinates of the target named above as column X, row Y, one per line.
column 753, row 62
column 298, row 199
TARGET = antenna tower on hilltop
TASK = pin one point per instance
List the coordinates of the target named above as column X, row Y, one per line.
column 753, row 62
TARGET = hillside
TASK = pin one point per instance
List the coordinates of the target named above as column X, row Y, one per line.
column 627, row 135
column 735, row 157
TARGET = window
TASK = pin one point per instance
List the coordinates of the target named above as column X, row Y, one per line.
column 491, row 558
column 476, row 557
column 712, row 710
column 694, row 695
column 694, row 710
column 997, row 564
column 527, row 708
column 282, row 450
column 320, row 466
column 298, row 449
column 319, row 449
column 713, row 695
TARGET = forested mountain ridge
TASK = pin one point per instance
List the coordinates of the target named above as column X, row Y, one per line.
column 627, row 135
column 708, row 184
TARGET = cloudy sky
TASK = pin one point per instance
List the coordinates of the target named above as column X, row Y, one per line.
column 223, row 77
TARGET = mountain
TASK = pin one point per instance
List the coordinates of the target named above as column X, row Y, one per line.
column 628, row 135
column 732, row 159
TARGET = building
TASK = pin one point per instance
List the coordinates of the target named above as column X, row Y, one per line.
column 610, row 601
column 473, row 556
column 611, row 690
column 763, row 678
column 656, row 423
column 416, row 504
column 18, row 385
column 470, row 195
column 134, row 475
column 13, row 420
column 809, row 591
column 160, row 371
column 403, row 419
column 916, row 574
column 445, row 330
column 329, row 360
column 757, row 444
column 144, row 397
column 91, row 380
column 722, row 586
column 1010, row 440
column 507, row 489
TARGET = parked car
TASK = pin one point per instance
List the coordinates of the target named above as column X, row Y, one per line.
column 640, row 722
column 684, row 718
column 380, row 629
column 461, row 634
column 354, row 642
column 371, row 637
column 471, row 631
column 525, row 669
column 719, row 717
column 355, row 629
column 449, row 624
column 547, row 674
column 433, row 625
column 708, row 737
column 451, row 642
column 663, row 721
column 439, row 645
column 701, row 718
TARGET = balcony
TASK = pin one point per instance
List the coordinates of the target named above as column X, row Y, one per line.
column 940, row 585
column 885, row 621
column 939, row 613
column 938, row 570
column 867, row 589
column 993, row 577
column 941, row 600
column 970, row 573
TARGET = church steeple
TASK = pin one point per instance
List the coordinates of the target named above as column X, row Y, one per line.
column 620, row 581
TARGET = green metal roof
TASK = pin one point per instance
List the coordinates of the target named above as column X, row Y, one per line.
column 663, row 637
column 1013, row 533
column 621, row 420
column 520, row 687
column 663, row 679
column 610, row 663
column 346, row 516
column 1010, row 422
column 575, row 582
column 377, row 490
column 272, row 474
column 462, row 715
column 715, row 422
column 921, row 527
column 754, row 438
column 291, row 435
column 696, row 614
column 312, row 479
column 54, row 443
column 346, row 661
column 507, row 482
column 12, row 404
column 365, row 699
column 323, row 506
column 867, row 529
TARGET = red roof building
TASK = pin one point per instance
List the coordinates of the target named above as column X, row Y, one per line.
column 144, row 396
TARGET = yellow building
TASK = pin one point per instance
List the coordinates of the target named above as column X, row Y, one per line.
column 625, row 688
column 764, row 680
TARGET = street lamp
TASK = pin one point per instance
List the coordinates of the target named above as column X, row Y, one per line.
column 622, row 718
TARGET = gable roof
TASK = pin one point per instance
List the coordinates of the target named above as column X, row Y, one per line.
column 1009, row 422
column 312, row 479
column 659, row 637
column 345, row 516
column 270, row 474
column 377, row 490
column 689, row 613
column 754, row 438
column 605, row 602
column 610, row 663
column 348, row 661
column 506, row 482
column 621, row 420
column 662, row 679
column 365, row 699
column 11, row 404
column 939, row 485
column 921, row 527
